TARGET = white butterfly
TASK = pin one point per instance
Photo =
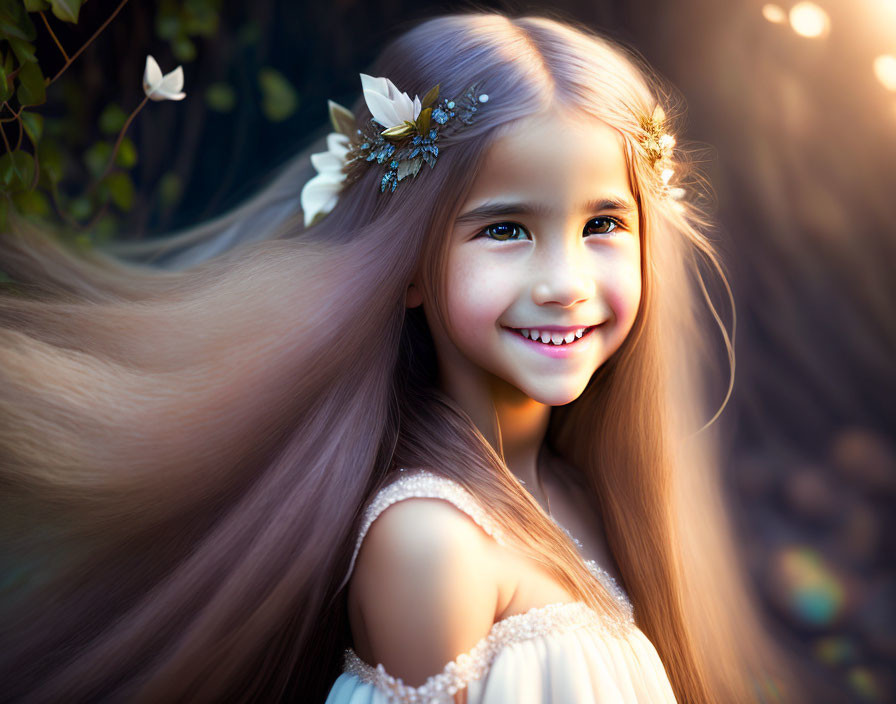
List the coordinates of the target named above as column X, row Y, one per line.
column 159, row 87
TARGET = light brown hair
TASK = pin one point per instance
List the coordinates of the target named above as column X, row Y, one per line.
column 184, row 455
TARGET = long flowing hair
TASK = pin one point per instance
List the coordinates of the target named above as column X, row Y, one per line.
column 185, row 452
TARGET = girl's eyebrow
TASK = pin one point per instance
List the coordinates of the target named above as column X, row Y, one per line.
column 497, row 209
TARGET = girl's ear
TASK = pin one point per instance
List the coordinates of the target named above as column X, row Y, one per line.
column 414, row 297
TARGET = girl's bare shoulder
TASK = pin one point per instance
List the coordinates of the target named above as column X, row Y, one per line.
column 424, row 567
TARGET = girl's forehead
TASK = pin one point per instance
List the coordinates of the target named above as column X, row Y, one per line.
column 554, row 155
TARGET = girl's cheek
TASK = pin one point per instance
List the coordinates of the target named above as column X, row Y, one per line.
column 478, row 287
column 625, row 294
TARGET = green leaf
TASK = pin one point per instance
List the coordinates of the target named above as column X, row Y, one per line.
column 9, row 65
column 4, row 212
column 32, row 90
column 183, row 48
column 220, row 97
column 66, row 10
column 200, row 19
column 24, row 50
column 5, row 87
column 97, row 156
column 32, row 203
column 167, row 26
column 106, row 227
column 127, row 154
column 17, row 170
column 7, row 29
column 37, row 5
column 52, row 163
column 33, row 124
column 81, row 208
column 248, row 34
column 121, row 188
column 112, row 119
column 15, row 22
column 170, row 188
column 82, row 241
column 279, row 98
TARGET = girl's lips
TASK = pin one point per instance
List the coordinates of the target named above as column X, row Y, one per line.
column 552, row 350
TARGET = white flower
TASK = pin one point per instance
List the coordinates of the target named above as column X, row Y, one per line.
column 159, row 87
column 320, row 194
column 389, row 106
column 673, row 191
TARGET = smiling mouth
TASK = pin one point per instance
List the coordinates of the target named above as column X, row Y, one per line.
column 550, row 343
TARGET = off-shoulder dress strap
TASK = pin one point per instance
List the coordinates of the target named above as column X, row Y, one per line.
column 551, row 619
column 425, row 484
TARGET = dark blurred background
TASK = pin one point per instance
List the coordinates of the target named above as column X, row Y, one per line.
column 793, row 109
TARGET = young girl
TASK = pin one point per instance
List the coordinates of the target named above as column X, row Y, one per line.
column 436, row 438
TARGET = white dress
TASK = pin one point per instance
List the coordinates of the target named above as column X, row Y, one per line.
column 560, row 653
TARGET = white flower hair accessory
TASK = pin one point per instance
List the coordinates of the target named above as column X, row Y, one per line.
column 412, row 128
column 320, row 194
column 389, row 106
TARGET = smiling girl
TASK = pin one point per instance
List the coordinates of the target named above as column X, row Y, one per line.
column 446, row 441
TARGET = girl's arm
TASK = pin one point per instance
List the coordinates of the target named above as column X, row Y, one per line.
column 426, row 588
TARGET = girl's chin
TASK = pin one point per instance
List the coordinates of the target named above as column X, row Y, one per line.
column 553, row 396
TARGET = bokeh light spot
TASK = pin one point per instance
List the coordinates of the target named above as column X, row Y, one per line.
column 863, row 683
column 814, row 593
column 885, row 70
column 835, row 650
column 809, row 20
column 774, row 13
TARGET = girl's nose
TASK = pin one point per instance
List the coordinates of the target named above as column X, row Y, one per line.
column 563, row 280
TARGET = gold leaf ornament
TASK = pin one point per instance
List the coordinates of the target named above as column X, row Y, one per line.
column 423, row 120
column 431, row 96
column 342, row 119
column 659, row 147
column 401, row 131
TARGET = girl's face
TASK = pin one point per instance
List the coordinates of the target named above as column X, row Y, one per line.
column 548, row 238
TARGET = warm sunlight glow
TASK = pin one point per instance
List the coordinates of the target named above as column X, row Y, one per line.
column 809, row 20
column 774, row 13
column 885, row 70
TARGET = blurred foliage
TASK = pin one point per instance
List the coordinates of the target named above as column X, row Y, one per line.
column 66, row 158
column 279, row 99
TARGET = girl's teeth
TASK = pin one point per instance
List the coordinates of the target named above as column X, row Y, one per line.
column 553, row 339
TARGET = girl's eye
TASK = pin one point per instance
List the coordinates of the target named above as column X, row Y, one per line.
column 504, row 231
column 606, row 226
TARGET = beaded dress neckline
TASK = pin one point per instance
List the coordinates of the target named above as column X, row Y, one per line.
column 557, row 617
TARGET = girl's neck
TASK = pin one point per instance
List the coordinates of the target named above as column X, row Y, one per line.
column 509, row 420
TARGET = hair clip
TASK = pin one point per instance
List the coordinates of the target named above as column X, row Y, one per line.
column 402, row 132
column 659, row 147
